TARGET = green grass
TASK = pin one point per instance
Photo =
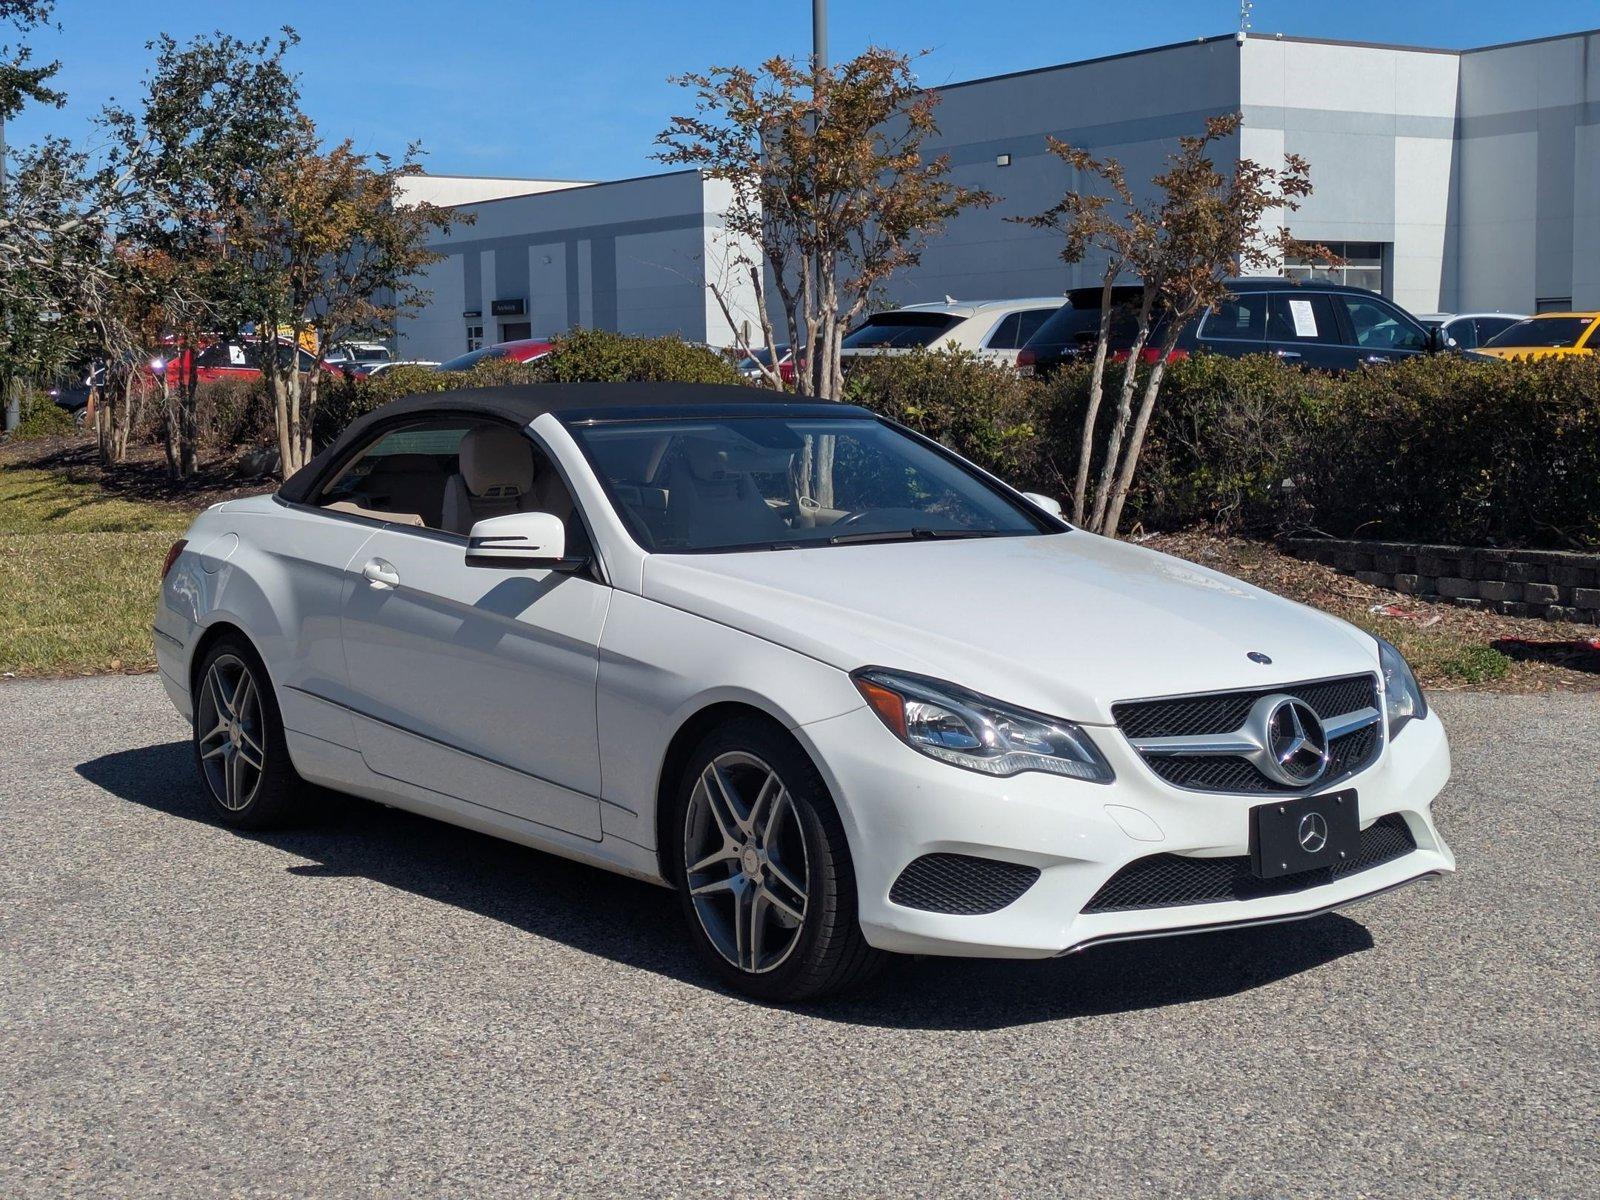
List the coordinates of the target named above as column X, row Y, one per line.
column 78, row 575
column 1448, row 659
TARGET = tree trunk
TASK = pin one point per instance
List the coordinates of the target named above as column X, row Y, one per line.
column 169, row 426
column 1130, row 378
column 1147, row 404
column 1097, row 376
column 189, row 427
column 132, row 412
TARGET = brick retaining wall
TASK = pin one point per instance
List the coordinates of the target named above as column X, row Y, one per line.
column 1560, row 585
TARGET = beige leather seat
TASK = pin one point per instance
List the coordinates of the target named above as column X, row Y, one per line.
column 713, row 499
column 494, row 476
column 498, row 472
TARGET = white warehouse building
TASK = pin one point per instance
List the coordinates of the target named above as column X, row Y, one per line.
column 1449, row 180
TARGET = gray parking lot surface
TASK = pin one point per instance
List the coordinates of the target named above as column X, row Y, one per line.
column 380, row 1005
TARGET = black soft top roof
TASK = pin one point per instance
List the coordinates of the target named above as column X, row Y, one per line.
column 522, row 403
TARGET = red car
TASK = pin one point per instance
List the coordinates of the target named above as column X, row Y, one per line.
column 230, row 360
column 523, row 351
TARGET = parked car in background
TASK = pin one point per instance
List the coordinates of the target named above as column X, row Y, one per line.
column 524, row 350
column 618, row 623
column 355, row 356
column 991, row 329
column 1549, row 335
column 71, row 391
column 230, row 359
column 1325, row 326
column 379, row 368
column 1468, row 331
column 750, row 366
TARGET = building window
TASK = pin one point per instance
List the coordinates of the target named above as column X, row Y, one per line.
column 474, row 338
column 1363, row 266
column 1549, row 304
column 515, row 331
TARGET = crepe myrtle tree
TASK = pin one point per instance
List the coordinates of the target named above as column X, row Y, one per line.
column 24, row 327
column 832, row 193
column 215, row 113
column 1201, row 227
column 332, row 250
column 1106, row 223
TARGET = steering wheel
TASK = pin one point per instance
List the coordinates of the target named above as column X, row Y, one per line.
column 853, row 517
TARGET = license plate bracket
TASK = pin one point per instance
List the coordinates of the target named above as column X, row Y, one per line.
column 1304, row 834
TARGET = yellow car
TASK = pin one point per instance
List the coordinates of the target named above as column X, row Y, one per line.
column 1549, row 335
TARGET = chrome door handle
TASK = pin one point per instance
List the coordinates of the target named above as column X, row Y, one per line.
column 1376, row 358
column 381, row 574
column 1288, row 354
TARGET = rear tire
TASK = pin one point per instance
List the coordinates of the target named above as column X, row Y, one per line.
column 763, row 869
column 239, row 747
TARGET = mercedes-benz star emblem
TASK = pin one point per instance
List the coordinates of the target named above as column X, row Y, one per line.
column 1294, row 745
column 1313, row 833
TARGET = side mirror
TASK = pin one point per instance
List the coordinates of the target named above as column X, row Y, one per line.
column 521, row 541
column 1048, row 503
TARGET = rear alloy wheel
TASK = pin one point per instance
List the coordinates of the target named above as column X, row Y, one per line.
column 238, row 740
column 764, row 870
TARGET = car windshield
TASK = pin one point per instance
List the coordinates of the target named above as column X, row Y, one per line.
column 899, row 330
column 472, row 358
column 1549, row 332
column 1075, row 326
column 779, row 483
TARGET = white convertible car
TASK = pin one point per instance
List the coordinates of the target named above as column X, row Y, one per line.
column 843, row 691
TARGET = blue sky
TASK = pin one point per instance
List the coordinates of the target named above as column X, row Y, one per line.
column 578, row 90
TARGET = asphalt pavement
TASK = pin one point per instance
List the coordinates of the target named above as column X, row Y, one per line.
column 381, row 1005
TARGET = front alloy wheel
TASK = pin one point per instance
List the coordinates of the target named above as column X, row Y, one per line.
column 763, row 867
column 745, row 862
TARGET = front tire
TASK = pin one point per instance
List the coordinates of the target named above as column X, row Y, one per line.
column 763, row 869
column 239, row 747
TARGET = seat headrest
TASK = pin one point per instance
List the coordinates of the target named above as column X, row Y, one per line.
column 496, row 461
column 712, row 460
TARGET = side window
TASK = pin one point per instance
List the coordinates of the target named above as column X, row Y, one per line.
column 1302, row 317
column 1005, row 334
column 216, row 355
column 1488, row 327
column 448, row 475
column 1028, row 323
column 400, row 475
column 1237, row 319
column 1465, row 334
column 1378, row 327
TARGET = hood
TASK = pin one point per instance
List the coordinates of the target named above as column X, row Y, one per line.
column 1066, row 624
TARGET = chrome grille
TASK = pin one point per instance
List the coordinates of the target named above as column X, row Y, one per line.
column 1225, row 712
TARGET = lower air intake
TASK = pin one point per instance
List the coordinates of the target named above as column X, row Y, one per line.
column 1171, row 880
column 961, row 884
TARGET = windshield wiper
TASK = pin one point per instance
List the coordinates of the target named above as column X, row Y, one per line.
column 910, row 535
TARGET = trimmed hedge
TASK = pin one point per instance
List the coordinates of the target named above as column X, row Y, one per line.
column 583, row 356
column 1439, row 449
column 982, row 412
column 598, row 356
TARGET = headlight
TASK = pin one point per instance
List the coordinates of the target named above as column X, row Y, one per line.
column 967, row 730
column 1403, row 700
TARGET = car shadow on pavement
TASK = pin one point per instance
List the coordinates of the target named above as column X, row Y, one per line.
column 638, row 925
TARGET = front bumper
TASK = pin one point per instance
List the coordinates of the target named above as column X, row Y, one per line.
column 898, row 805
